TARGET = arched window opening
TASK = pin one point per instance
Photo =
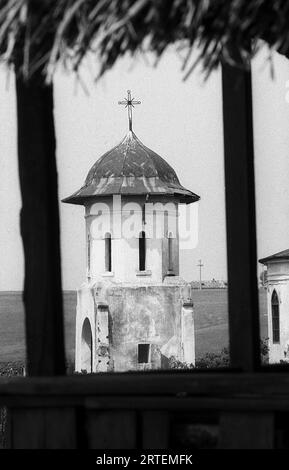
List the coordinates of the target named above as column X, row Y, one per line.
column 108, row 252
column 142, row 251
column 170, row 250
column 86, row 347
column 275, row 317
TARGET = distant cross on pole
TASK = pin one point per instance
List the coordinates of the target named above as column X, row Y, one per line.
column 200, row 265
column 129, row 103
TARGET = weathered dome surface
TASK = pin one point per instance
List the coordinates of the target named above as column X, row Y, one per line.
column 131, row 168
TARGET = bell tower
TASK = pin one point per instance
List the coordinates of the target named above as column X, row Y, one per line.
column 134, row 312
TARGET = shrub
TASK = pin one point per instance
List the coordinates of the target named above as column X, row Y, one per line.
column 214, row 360
column 217, row 360
column 264, row 350
column 12, row 369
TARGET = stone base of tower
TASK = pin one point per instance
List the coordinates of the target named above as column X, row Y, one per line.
column 122, row 327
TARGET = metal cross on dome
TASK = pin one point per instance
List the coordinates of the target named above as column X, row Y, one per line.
column 129, row 103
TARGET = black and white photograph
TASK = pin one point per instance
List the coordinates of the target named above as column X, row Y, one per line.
column 144, row 234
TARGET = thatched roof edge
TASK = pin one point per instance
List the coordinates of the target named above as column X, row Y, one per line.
column 39, row 34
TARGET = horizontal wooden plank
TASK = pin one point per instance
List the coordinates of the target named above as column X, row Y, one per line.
column 187, row 404
column 143, row 403
column 158, row 384
column 217, row 391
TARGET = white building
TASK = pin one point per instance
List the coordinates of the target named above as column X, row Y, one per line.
column 278, row 305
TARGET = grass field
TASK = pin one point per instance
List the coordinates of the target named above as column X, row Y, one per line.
column 211, row 323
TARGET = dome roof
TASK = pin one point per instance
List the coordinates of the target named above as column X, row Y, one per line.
column 131, row 168
column 280, row 256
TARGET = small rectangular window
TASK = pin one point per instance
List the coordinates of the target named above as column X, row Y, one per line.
column 143, row 353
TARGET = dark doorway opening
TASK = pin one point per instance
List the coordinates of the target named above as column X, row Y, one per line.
column 143, row 353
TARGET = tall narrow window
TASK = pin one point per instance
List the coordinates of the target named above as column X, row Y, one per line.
column 166, row 223
column 88, row 255
column 142, row 251
column 108, row 252
column 275, row 317
column 143, row 212
column 170, row 249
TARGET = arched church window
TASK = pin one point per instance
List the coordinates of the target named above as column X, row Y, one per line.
column 107, row 252
column 275, row 317
column 170, row 250
column 142, row 251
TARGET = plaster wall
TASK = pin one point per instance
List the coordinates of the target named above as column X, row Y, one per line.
column 85, row 309
column 152, row 314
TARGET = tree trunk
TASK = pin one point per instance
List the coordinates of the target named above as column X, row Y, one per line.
column 241, row 220
column 40, row 228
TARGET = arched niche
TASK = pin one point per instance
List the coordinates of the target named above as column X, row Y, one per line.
column 86, row 347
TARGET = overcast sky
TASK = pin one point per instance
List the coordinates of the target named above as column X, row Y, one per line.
column 182, row 121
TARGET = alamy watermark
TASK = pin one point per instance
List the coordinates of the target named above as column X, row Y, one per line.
column 156, row 219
